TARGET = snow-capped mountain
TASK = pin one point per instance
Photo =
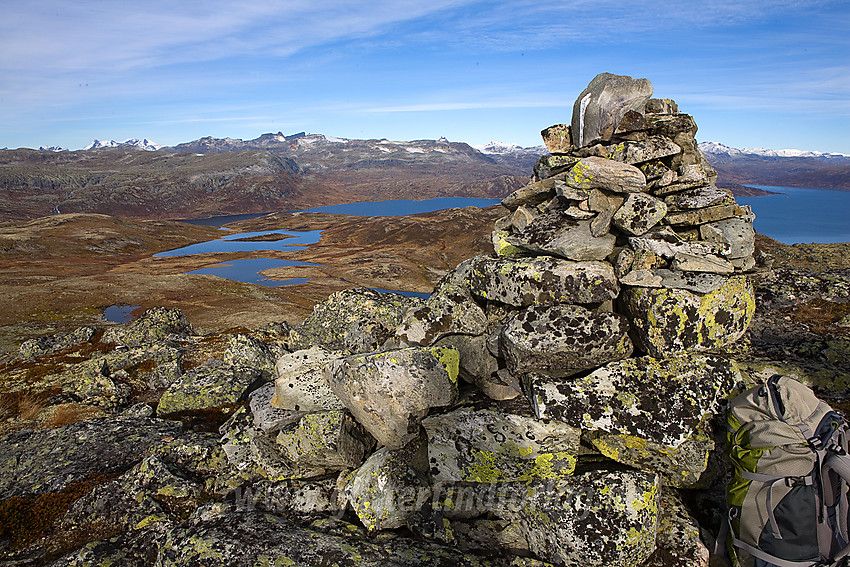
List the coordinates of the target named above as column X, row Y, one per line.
column 52, row 149
column 717, row 149
column 494, row 147
column 144, row 144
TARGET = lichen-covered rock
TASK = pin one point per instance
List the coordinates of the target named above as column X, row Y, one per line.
column 639, row 213
column 543, row 280
column 266, row 416
column 598, row 519
column 49, row 344
column 329, row 440
column 557, row 139
column 36, row 462
column 155, row 325
column 663, row 400
column 211, row 386
column 667, row 321
column 678, row 543
column 561, row 340
column 699, row 282
column 694, row 217
column 708, row 263
column 699, row 198
column 638, row 152
column 490, row 446
column 353, row 320
column 738, row 234
column 300, row 384
column 248, row 352
column 532, row 194
column 450, row 310
column 600, row 107
column 391, row 485
column 551, row 165
column 502, row 247
column 665, row 243
column 254, row 454
column 477, row 364
column 554, row 234
column 390, row 392
column 599, row 173
column 680, row 467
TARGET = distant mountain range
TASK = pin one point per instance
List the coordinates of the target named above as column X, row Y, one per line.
column 276, row 171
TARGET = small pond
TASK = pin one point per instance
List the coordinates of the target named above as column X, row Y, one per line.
column 119, row 313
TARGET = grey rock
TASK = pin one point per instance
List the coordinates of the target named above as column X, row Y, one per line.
column 666, row 243
column 353, row 320
column 667, row 321
column 542, row 280
column 556, row 235
column 246, row 351
column 558, row 139
column 391, row 485
column 449, row 310
column 50, row 344
column 300, row 384
column 659, row 400
column 209, row 387
column 663, row 278
column 662, row 106
column 600, row 173
column 639, row 213
column 532, row 194
column 738, row 234
column 390, row 392
column 705, row 215
column 699, row 197
column 551, row 165
column 36, row 462
column 155, row 325
column 569, row 193
column 562, row 340
column 477, row 364
column 325, row 441
column 638, row 152
column 266, row 417
column 489, row 446
column 601, row 106
column 679, row 541
column 685, row 262
column 521, row 217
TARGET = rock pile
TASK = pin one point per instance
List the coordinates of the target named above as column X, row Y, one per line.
column 592, row 332
column 550, row 404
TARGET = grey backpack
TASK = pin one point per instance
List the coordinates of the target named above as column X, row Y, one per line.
column 787, row 499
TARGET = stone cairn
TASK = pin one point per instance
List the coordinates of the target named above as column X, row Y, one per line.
column 590, row 347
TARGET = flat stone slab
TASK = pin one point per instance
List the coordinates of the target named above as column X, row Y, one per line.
column 554, row 234
column 636, row 153
column 562, row 340
column 699, row 198
column 704, row 215
column 663, row 278
column 490, row 446
column 639, row 213
column 542, row 280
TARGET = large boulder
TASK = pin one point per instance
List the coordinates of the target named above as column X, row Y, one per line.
column 325, row 441
column 353, row 320
column 599, row 173
column 300, row 383
column 388, row 489
column 600, row 107
column 390, row 392
column 542, row 280
column 562, row 340
column 667, row 321
column 155, row 325
column 450, row 310
column 490, row 446
column 662, row 400
column 211, row 387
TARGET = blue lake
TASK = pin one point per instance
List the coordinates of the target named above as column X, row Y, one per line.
column 247, row 270
column 119, row 313
column 798, row 214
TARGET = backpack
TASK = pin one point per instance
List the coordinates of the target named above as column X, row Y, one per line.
column 787, row 499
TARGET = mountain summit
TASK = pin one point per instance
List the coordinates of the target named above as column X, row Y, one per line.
column 144, row 144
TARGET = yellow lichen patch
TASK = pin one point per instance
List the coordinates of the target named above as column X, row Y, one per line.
column 485, row 468
column 450, row 359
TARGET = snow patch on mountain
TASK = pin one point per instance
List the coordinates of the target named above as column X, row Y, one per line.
column 717, row 148
column 52, row 149
column 494, row 147
column 143, row 144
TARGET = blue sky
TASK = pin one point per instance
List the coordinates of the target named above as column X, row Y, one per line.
column 753, row 73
